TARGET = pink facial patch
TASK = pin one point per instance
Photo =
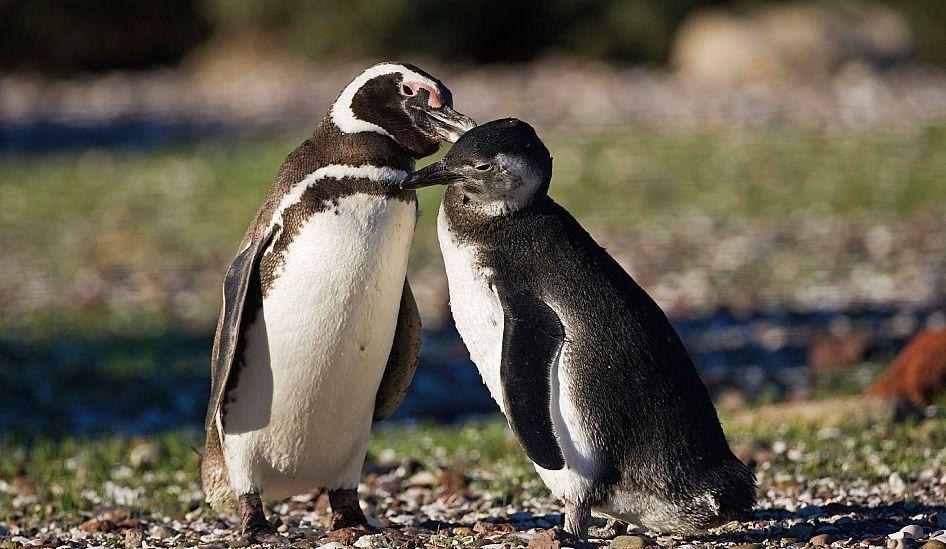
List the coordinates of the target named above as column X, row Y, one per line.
column 433, row 100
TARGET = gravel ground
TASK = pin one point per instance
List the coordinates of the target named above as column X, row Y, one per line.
column 851, row 481
column 434, row 510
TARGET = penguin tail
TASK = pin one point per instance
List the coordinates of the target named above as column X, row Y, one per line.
column 733, row 488
column 214, row 477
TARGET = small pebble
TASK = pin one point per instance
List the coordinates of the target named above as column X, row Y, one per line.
column 163, row 532
column 630, row 542
column 907, row 532
column 934, row 544
column 133, row 538
column 822, row 539
column 802, row 530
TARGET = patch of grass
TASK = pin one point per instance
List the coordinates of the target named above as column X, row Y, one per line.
column 121, row 241
column 68, row 476
column 485, row 449
column 65, row 477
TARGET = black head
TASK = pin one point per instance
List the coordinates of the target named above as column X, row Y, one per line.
column 401, row 101
column 501, row 165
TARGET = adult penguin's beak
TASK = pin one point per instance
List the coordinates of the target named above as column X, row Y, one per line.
column 442, row 121
column 435, row 174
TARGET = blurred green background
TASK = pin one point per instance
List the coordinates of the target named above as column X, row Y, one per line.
column 773, row 173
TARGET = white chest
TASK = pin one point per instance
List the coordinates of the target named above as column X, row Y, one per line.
column 317, row 350
column 479, row 317
column 476, row 309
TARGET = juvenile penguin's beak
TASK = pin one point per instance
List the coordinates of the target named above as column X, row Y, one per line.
column 444, row 121
column 435, row 174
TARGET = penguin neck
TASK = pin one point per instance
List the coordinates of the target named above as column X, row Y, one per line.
column 461, row 202
column 361, row 148
column 465, row 215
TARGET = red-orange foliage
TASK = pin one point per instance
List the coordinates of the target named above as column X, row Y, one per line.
column 919, row 371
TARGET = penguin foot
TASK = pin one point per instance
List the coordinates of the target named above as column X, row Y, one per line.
column 253, row 524
column 264, row 534
column 577, row 519
column 347, row 510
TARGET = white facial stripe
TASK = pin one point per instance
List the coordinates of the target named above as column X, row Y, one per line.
column 342, row 115
column 333, row 171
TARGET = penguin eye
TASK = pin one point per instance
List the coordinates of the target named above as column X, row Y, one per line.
column 483, row 167
column 407, row 90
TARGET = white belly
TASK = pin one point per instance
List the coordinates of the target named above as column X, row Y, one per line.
column 317, row 350
column 478, row 315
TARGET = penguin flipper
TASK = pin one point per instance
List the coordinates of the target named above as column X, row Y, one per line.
column 403, row 360
column 229, row 326
column 533, row 337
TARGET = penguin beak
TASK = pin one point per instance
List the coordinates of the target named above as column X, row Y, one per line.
column 435, row 174
column 445, row 122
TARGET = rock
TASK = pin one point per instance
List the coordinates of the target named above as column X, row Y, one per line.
column 133, row 538
column 918, row 374
column 239, row 542
column 100, row 526
column 144, row 454
column 346, row 536
column 462, row 531
column 629, row 542
column 793, row 41
column 332, row 545
column 546, row 540
column 484, row 527
column 934, row 544
column 423, row 478
column 372, row 541
column 451, row 481
column 748, row 546
column 802, row 530
column 907, row 532
column 163, row 532
column 822, row 539
column 896, row 544
column 896, row 483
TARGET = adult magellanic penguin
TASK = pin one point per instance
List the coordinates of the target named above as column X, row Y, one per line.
column 589, row 372
column 319, row 333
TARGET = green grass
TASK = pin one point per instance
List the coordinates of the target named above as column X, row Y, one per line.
column 86, row 226
column 69, row 476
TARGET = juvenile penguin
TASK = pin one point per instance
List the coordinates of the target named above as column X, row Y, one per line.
column 593, row 379
column 319, row 333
